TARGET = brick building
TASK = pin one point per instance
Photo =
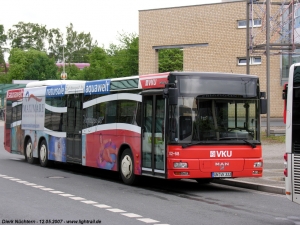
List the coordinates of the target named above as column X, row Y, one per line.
column 213, row 39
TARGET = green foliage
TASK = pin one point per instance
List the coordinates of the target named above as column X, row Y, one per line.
column 100, row 67
column 78, row 46
column 55, row 41
column 124, row 58
column 31, row 65
column 170, row 60
column 3, row 39
column 28, row 35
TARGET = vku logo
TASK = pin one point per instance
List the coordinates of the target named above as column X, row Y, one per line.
column 150, row 82
column 219, row 154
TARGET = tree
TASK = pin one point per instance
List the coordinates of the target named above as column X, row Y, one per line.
column 100, row 67
column 28, row 35
column 170, row 60
column 55, row 42
column 124, row 58
column 78, row 46
column 3, row 38
column 31, row 65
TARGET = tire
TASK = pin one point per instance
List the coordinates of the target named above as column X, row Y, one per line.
column 43, row 154
column 127, row 167
column 29, row 152
column 204, row 180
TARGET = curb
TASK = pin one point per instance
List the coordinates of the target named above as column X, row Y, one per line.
column 253, row 186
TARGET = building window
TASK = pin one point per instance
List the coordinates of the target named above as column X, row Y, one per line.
column 255, row 23
column 254, row 60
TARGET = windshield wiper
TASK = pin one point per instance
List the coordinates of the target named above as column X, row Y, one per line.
column 252, row 145
column 191, row 144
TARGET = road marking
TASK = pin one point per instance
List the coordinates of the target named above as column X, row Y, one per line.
column 148, row 220
column 102, row 206
column 66, row 195
column 22, row 181
column 77, row 198
column 131, row 215
column 83, row 200
column 116, row 210
column 56, row 192
column 30, row 184
column 47, row 189
column 89, row 202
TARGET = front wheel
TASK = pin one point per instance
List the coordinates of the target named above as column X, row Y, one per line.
column 29, row 152
column 127, row 167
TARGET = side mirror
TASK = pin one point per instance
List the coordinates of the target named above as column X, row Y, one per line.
column 263, row 106
column 284, row 94
column 173, row 96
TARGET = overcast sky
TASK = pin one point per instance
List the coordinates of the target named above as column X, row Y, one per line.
column 104, row 19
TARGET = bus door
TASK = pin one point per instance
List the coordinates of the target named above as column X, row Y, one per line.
column 7, row 126
column 74, row 128
column 153, row 133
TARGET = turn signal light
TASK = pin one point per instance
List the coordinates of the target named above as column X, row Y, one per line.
column 257, row 172
column 181, row 173
column 285, row 157
column 285, row 172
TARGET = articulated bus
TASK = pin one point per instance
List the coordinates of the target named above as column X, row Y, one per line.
column 291, row 96
column 174, row 125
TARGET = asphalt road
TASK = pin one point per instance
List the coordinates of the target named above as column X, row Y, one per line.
column 64, row 193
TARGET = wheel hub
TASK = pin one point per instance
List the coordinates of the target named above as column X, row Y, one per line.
column 43, row 153
column 29, row 150
column 126, row 166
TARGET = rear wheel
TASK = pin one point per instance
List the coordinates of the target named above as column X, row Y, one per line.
column 127, row 167
column 29, row 152
column 43, row 154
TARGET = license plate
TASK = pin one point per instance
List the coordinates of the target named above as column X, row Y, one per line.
column 221, row 174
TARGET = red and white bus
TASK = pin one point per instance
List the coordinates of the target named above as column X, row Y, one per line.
column 177, row 125
column 291, row 96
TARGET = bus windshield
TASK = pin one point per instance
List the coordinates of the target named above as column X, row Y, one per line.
column 213, row 120
column 213, row 108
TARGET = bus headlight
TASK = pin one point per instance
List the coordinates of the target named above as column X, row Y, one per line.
column 257, row 164
column 180, row 165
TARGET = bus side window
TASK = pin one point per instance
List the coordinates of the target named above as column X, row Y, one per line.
column 185, row 126
column 173, row 129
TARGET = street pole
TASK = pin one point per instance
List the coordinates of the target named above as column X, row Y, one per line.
column 63, row 74
column 64, row 58
column 268, row 64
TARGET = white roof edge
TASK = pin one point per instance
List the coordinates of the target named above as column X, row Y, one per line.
column 53, row 82
column 124, row 78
